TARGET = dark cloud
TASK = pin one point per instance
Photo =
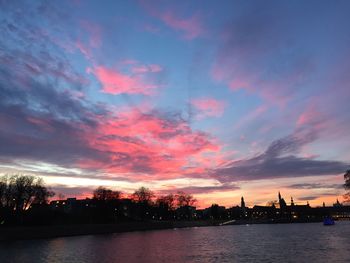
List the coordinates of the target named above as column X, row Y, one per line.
column 204, row 189
column 43, row 120
column 315, row 186
column 313, row 197
column 291, row 143
column 41, row 105
column 309, row 198
column 277, row 162
column 43, row 123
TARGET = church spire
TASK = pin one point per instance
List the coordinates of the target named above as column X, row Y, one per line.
column 242, row 202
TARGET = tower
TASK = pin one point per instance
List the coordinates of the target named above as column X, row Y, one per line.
column 281, row 201
column 242, row 203
column 291, row 201
column 243, row 208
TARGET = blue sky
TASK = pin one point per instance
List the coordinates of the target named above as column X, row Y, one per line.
column 219, row 99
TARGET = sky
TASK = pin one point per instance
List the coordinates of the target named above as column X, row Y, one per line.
column 218, row 99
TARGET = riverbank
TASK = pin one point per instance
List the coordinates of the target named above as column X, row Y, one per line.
column 270, row 221
column 37, row 232
column 52, row 231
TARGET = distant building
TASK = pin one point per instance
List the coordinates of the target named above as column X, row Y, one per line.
column 244, row 213
column 337, row 204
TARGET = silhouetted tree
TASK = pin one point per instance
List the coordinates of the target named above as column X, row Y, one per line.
column 21, row 191
column 184, row 203
column 18, row 193
column 166, row 206
column 167, row 201
column 104, row 194
column 143, row 195
column 106, row 204
column 184, row 199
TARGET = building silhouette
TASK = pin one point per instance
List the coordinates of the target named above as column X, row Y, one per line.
column 95, row 211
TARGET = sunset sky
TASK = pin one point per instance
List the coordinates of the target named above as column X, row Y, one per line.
column 215, row 98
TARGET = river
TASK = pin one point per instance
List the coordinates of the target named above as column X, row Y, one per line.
column 311, row 242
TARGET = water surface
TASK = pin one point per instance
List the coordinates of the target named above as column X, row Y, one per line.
column 253, row 243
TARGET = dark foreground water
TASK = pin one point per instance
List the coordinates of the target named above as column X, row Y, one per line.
column 253, row 243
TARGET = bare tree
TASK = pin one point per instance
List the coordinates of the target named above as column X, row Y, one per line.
column 167, row 201
column 184, row 199
column 21, row 191
column 103, row 193
column 143, row 195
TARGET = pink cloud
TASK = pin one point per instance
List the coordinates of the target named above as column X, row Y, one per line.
column 116, row 82
column 151, row 145
column 191, row 27
column 237, row 84
column 209, row 107
column 314, row 118
column 309, row 116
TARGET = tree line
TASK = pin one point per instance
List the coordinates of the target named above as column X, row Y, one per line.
column 144, row 204
column 144, row 195
column 25, row 199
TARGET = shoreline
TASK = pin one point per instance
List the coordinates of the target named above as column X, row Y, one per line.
column 15, row 233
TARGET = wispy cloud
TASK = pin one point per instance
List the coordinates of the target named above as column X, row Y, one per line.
column 208, row 107
column 132, row 77
column 316, row 186
column 189, row 26
column 115, row 82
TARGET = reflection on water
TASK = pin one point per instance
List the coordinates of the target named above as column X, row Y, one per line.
column 253, row 243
